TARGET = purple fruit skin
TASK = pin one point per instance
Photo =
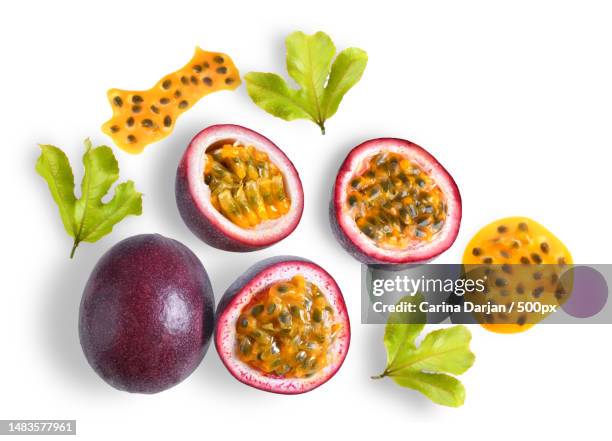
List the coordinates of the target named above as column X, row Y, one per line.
column 147, row 314
column 342, row 238
column 245, row 278
column 197, row 223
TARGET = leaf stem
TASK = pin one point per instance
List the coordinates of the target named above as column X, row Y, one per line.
column 322, row 126
column 74, row 247
column 378, row 377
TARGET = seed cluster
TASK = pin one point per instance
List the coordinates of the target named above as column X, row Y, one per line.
column 523, row 262
column 287, row 330
column 394, row 202
column 246, row 187
column 142, row 117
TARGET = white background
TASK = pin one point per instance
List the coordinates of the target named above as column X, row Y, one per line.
column 514, row 98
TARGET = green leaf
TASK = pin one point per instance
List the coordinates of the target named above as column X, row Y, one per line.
column 309, row 58
column 345, row 73
column 322, row 84
column 87, row 219
column 54, row 167
column 399, row 342
column 271, row 93
column 443, row 350
column 400, row 334
column 439, row 388
column 425, row 368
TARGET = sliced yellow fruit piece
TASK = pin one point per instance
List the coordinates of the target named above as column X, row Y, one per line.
column 541, row 256
column 146, row 116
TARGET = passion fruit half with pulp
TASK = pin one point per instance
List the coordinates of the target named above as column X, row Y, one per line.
column 283, row 326
column 236, row 190
column 393, row 203
column 523, row 262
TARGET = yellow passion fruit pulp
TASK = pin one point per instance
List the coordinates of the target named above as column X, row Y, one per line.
column 246, row 187
column 395, row 203
column 524, row 263
column 287, row 330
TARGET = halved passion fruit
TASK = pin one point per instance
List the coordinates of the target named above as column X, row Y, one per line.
column 523, row 262
column 236, row 190
column 282, row 326
column 393, row 203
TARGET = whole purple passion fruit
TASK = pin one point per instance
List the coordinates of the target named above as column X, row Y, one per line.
column 394, row 204
column 283, row 326
column 236, row 190
column 147, row 314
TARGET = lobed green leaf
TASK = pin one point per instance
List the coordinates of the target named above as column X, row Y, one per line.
column 425, row 368
column 88, row 218
column 322, row 84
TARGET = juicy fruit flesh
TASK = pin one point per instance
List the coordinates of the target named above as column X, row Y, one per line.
column 246, row 187
column 287, row 330
column 142, row 117
column 395, row 203
column 542, row 258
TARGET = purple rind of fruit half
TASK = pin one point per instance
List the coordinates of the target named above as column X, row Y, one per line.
column 364, row 249
column 193, row 195
column 147, row 314
column 257, row 278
